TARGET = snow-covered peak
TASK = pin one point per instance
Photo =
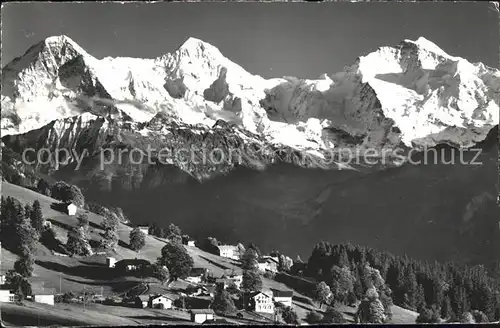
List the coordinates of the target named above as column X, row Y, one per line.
column 412, row 92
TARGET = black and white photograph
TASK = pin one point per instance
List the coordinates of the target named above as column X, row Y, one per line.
column 249, row 163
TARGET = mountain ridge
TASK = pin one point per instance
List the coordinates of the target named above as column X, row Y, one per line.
column 413, row 93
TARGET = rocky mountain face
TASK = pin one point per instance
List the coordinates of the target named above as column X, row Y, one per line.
column 412, row 93
column 266, row 131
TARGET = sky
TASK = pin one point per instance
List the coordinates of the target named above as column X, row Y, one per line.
column 269, row 39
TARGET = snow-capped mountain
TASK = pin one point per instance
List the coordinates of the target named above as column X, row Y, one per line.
column 413, row 93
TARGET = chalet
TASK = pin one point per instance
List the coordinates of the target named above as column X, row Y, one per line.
column 261, row 302
column 142, row 301
column 193, row 291
column 110, row 262
column 70, row 208
column 188, row 242
column 196, row 275
column 6, row 296
column 160, row 302
column 202, row 315
column 283, row 297
column 191, row 243
column 144, row 229
column 229, row 251
column 132, row 265
column 39, row 294
column 267, row 264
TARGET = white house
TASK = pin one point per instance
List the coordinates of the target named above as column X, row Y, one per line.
column 160, row 302
column 202, row 315
column 2, row 279
column 283, row 297
column 196, row 275
column 6, row 296
column 110, row 262
column 142, row 301
column 229, row 251
column 144, row 229
column 43, row 295
column 262, row 302
column 70, row 208
column 191, row 243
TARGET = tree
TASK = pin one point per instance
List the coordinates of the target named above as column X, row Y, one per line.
column 43, row 187
column 467, row 317
column 77, row 243
column 24, row 265
column 19, row 284
column 223, row 303
column 36, row 217
column 109, row 240
column 160, row 272
column 255, row 248
column 173, row 231
column 175, row 257
column 371, row 310
column 314, row 317
column 137, row 239
column 428, row 316
column 251, row 281
column 249, row 259
column 479, row 316
column 289, row 316
column 333, row 316
column 67, row 193
column 83, row 220
column 322, row 293
column 26, row 235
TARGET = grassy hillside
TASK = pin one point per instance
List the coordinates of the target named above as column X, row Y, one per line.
column 76, row 274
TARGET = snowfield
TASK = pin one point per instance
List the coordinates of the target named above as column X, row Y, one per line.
column 412, row 93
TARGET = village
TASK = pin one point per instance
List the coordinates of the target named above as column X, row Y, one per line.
column 192, row 295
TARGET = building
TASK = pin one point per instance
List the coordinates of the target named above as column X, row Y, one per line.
column 283, row 297
column 191, row 243
column 229, row 251
column 144, row 229
column 110, row 262
column 160, row 302
column 70, row 208
column 237, row 280
column 202, row 315
column 196, row 275
column 267, row 264
column 261, row 302
column 6, row 296
column 2, row 279
column 39, row 294
column 194, row 291
column 142, row 301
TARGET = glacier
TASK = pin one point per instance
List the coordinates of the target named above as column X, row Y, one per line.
column 412, row 94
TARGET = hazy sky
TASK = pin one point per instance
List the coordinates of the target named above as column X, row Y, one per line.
column 270, row 39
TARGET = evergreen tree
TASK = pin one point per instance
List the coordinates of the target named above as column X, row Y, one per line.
column 289, row 316
column 249, row 259
column 36, row 217
column 223, row 304
column 77, row 242
column 24, row 265
column 333, row 316
column 251, row 281
column 18, row 284
column 322, row 294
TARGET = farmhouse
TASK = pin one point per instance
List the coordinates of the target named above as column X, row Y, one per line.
column 144, row 229
column 202, row 315
column 160, row 302
column 196, row 275
column 110, row 262
column 283, row 297
column 267, row 264
column 6, row 296
column 193, row 291
column 142, row 301
column 70, row 208
column 261, row 302
column 229, row 251
column 39, row 294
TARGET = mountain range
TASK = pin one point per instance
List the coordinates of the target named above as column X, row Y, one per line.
column 412, row 96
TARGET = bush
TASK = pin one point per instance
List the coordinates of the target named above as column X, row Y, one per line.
column 333, row 316
column 314, row 317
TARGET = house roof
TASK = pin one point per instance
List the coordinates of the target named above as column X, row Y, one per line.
column 42, row 291
column 143, row 298
column 153, row 297
column 227, row 247
column 202, row 311
column 282, row 293
column 253, row 294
